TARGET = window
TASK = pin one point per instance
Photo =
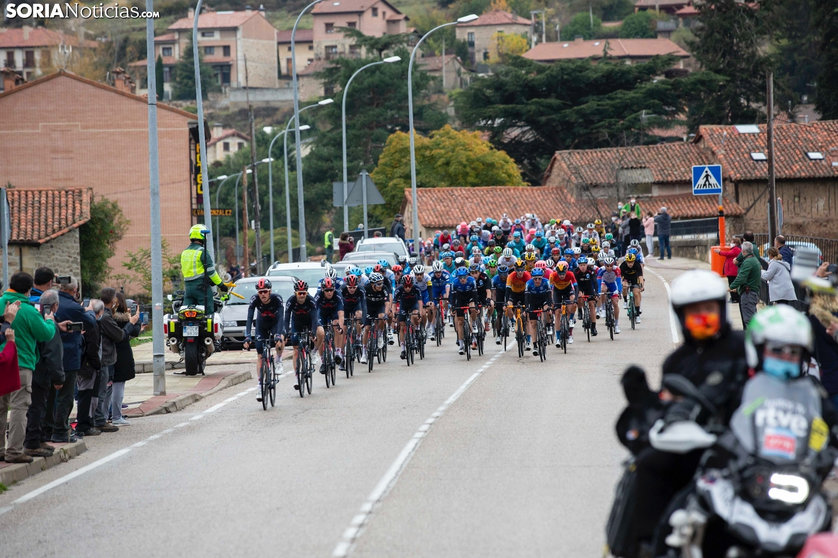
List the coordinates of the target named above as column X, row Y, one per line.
column 485, row 55
column 10, row 59
column 814, row 155
column 311, row 47
column 45, row 57
column 289, row 68
column 354, row 51
column 758, row 156
column 470, row 38
column 241, row 145
column 208, row 34
column 289, row 48
column 331, row 52
column 375, row 12
column 351, row 24
column 330, row 27
column 209, row 50
column 29, row 59
column 383, row 15
column 166, row 51
column 167, row 74
column 225, row 50
column 226, row 145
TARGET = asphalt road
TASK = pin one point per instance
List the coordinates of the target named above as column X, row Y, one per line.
column 494, row 457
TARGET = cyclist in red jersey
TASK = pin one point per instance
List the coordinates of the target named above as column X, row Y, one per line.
column 564, row 286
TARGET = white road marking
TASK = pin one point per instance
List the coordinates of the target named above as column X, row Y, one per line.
column 673, row 319
column 388, row 481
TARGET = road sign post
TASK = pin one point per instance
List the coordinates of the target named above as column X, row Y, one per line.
column 707, row 180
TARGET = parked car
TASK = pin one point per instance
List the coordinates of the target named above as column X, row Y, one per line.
column 355, row 257
column 392, row 244
column 310, row 272
column 234, row 313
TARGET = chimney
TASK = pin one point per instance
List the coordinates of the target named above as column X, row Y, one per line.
column 26, row 30
column 191, row 13
column 122, row 81
column 11, row 79
column 216, row 129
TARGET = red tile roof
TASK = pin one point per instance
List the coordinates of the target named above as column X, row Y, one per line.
column 215, row 20
column 792, row 141
column 349, row 6
column 667, row 162
column 315, row 66
column 167, row 61
column 617, row 48
column 660, row 3
column 26, row 36
column 41, row 215
column 497, row 17
column 303, row 36
column 687, row 11
column 440, row 208
column 166, row 38
column 434, row 63
column 226, row 133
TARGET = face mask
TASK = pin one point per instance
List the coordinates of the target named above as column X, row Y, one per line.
column 780, row 368
column 703, row 326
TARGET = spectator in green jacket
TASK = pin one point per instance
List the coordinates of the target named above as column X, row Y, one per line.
column 747, row 283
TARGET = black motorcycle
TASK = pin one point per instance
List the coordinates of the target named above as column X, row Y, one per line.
column 192, row 332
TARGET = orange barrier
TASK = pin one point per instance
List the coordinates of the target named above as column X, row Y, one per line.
column 717, row 262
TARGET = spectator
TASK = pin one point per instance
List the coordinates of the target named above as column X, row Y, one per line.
column 111, row 335
column 329, row 244
column 124, row 367
column 823, row 314
column 30, row 328
column 748, row 236
column 785, row 251
column 345, row 245
column 624, row 239
column 778, row 275
column 60, row 402
column 89, row 370
column 9, row 372
column 649, row 231
column 664, row 223
column 48, row 374
column 632, row 209
column 635, row 227
column 747, row 283
column 731, row 269
column 397, row 228
column 44, row 278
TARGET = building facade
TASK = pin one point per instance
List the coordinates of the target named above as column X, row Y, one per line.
column 303, row 48
column 35, row 51
column 225, row 142
column 371, row 17
column 480, row 32
column 632, row 51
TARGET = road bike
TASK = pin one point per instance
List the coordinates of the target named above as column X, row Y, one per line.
column 481, row 330
column 610, row 322
column 564, row 327
column 303, row 366
column 373, row 349
column 267, row 373
column 352, row 350
column 466, row 340
column 329, row 355
column 540, row 335
column 585, row 315
column 520, row 329
column 410, row 340
column 631, row 307
column 439, row 323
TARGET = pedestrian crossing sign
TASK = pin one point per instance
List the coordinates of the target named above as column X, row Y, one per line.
column 707, row 179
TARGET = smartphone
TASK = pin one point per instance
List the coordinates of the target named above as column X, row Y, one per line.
column 85, row 303
column 143, row 318
column 132, row 309
column 75, row 326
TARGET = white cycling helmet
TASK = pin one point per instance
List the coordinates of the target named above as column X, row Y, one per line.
column 566, row 222
column 507, row 252
column 608, row 261
column 778, row 325
column 437, row 266
column 529, row 248
column 349, row 269
column 418, row 269
column 634, row 243
column 551, row 239
column 331, row 272
column 606, row 244
column 591, row 262
column 475, row 250
column 577, row 250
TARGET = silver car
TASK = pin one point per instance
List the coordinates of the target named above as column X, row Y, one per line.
column 310, row 272
column 234, row 313
column 392, row 244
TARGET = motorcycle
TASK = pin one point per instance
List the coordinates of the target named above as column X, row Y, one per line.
column 192, row 332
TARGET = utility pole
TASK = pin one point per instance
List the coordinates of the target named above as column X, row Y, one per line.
column 246, row 271
column 256, row 208
column 772, row 185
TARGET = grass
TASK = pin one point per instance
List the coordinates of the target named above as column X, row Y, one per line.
column 145, row 337
column 3, row 488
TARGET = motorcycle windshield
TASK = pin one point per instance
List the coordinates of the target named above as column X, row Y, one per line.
column 780, row 421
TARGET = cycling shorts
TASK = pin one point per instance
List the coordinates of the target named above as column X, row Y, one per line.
column 326, row 319
column 373, row 311
column 513, row 298
column 537, row 302
column 610, row 288
column 459, row 301
column 294, row 339
column 437, row 293
column 563, row 295
column 404, row 310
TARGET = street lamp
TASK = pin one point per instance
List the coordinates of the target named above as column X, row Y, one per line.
column 299, row 167
column 388, row 60
column 223, row 178
column 300, row 203
column 236, row 196
column 464, row 19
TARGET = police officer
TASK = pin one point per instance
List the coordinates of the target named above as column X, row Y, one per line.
column 199, row 274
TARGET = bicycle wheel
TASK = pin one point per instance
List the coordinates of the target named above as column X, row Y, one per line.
column 273, row 383
column 565, row 327
column 301, row 367
column 332, row 370
column 632, row 310
column 350, row 356
column 438, row 328
column 519, row 336
column 328, row 361
column 467, row 338
column 372, row 346
column 541, row 339
column 309, row 373
column 421, row 344
column 586, row 321
column 383, row 352
column 481, row 337
column 266, row 380
column 609, row 318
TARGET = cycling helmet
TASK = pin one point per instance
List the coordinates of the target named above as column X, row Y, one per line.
column 517, row 234
column 263, row 284
column 630, row 257
column 606, row 245
column 397, row 268
column 582, row 261
column 634, row 243
column 331, row 272
column 473, row 238
column 475, row 250
column 413, row 261
column 437, row 266
column 783, row 328
column 590, row 226
column 568, row 252
column 609, row 237
column 495, row 228
column 473, row 268
column 561, row 232
column 537, row 272
column 608, row 261
column 561, row 267
column 595, row 249
column 566, row 222
column 539, row 234
column 300, row 286
column 498, row 250
column 407, row 281
column 368, row 271
column 503, row 270
column 198, row 232
column 556, row 250
column 384, row 264
column 446, row 247
column 378, row 268
column 328, row 284
column 591, row 262
column 350, row 270
column 551, row 239
column 507, row 252
column 586, row 241
column 460, row 262
column 448, row 254
column 519, row 264
column 460, row 272
column 351, row 281
column 634, row 251
column 529, row 248
column 540, row 264
column 529, row 256
column 418, row 269
column 492, row 263
column 577, row 251
column 401, row 259
column 491, row 242
column 598, row 222
column 578, row 230
column 376, row 278
column 550, row 263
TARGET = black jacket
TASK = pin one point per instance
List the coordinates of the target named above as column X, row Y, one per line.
column 112, row 334
column 50, row 367
column 124, row 367
column 397, row 229
column 91, row 361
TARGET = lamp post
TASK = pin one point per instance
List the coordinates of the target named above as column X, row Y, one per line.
column 298, row 156
column 300, row 202
column 464, row 19
column 238, row 180
column 388, row 60
column 223, row 178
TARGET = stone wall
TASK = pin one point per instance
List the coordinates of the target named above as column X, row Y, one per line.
column 60, row 254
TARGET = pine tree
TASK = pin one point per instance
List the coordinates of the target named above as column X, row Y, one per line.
column 183, row 88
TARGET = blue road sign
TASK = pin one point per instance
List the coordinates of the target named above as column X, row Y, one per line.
column 707, row 179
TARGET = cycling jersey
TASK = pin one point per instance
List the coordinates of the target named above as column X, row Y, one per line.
column 352, row 302
column 328, row 307
column 449, row 268
column 462, row 294
column 439, row 285
column 562, row 283
column 517, row 284
column 299, row 317
column 586, row 282
column 482, row 284
column 517, row 247
column 375, row 298
column 408, row 300
column 631, row 274
column 536, row 296
column 499, row 287
column 270, row 318
column 610, row 279
column 508, row 262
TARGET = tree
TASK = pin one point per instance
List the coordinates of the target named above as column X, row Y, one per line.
column 506, row 45
column 531, row 110
column 183, row 86
column 97, row 242
column 728, row 43
column 580, row 26
column 158, row 76
column 640, row 25
column 138, row 265
column 446, row 158
column 795, row 36
column 827, row 78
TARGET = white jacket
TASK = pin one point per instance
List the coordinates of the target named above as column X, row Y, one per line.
column 778, row 276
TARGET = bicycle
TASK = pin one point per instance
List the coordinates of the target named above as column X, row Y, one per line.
column 540, row 335
column 564, row 327
column 466, row 340
column 373, row 350
column 329, row 355
column 585, row 315
column 302, row 365
column 409, row 341
column 481, row 331
column 439, row 323
column 609, row 315
column 268, row 374
column 631, row 307
column 351, row 351
column 520, row 329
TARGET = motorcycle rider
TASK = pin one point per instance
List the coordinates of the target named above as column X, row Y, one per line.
column 713, row 358
column 198, row 269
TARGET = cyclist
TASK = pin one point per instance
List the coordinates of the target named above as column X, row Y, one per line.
column 269, row 322
column 423, row 285
column 585, row 247
column 491, row 268
column 569, row 259
column 586, row 284
column 499, row 296
column 539, row 241
column 398, row 273
column 610, row 284
column 529, row 260
column 483, row 298
column 542, row 264
column 632, row 274
column 507, row 258
column 409, row 299
column 301, row 315
column 606, row 250
column 477, row 257
column 564, row 286
column 473, row 242
column 517, row 243
column 536, row 297
column 440, row 287
column 590, row 233
column 330, row 309
column 516, row 284
column 332, row 274
column 463, row 294
column 354, row 305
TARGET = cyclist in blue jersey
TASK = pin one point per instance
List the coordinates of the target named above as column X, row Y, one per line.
column 463, row 295
column 536, row 297
column 610, row 284
column 440, row 288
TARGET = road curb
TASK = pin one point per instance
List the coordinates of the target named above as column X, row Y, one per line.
column 15, row 472
column 147, row 366
column 162, row 404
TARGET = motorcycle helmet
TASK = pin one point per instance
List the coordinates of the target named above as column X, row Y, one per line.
column 699, row 285
column 779, row 341
column 198, row 232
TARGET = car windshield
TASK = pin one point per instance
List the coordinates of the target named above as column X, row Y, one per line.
column 248, row 289
column 312, row 276
column 379, row 247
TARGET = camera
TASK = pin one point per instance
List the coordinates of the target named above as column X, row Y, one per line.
column 75, row 326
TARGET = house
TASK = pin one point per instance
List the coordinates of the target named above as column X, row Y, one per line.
column 480, row 32
column 224, row 142
column 226, row 40
column 45, row 228
column 631, row 50
column 310, row 84
column 35, row 51
column 373, row 18
column 448, row 70
column 806, row 172
column 73, row 133
column 665, row 6
column 303, row 48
